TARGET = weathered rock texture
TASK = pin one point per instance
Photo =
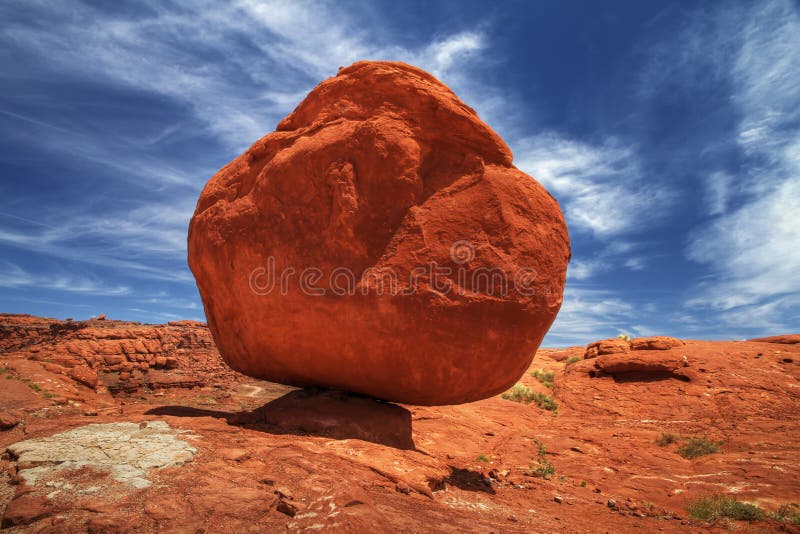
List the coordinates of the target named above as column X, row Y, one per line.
column 380, row 167
column 622, row 346
column 126, row 450
column 266, row 458
column 113, row 355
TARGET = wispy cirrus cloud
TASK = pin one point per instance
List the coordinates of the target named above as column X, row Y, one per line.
column 13, row 276
column 751, row 248
column 263, row 61
column 589, row 313
column 602, row 188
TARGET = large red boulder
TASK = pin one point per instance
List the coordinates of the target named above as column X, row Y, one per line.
column 380, row 241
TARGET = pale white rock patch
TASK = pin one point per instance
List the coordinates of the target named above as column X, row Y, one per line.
column 128, row 451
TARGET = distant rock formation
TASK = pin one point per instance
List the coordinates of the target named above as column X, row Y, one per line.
column 380, row 172
column 116, row 355
column 621, row 346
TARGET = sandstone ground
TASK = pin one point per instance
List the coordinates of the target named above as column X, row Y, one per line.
column 120, row 427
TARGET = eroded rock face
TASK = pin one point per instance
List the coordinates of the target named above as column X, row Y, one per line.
column 114, row 355
column 607, row 346
column 380, row 169
column 656, row 343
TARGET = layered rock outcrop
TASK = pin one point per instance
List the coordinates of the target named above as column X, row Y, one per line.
column 622, row 346
column 380, row 241
column 117, row 355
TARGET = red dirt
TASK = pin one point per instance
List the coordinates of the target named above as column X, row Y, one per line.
column 272, row 457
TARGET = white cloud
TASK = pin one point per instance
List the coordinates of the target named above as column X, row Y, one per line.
column 273, row 53
column 585, row 269
column 588, row 314
column 600, row 187
column 12, row 276
column 752, row 248
column 718, row 187
column 140, row 242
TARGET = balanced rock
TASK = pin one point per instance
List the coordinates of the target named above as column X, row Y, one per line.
column 380, row 241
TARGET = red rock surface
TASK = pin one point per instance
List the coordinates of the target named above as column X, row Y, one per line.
column 104, row 355
column 380, row 169
column 655, row 343
column 790, row 339
column 606, row 346
column 272, row 458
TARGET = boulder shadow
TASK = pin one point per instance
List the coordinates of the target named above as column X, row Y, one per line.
column 323, row 413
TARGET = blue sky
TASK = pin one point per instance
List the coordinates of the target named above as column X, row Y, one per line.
column 668, row 131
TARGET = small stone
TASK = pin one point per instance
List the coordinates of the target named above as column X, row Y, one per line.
column 287, row 508
column 611, row 503
column 402, row 487
column 24, row 510
column 9, row 419
column 559, row 499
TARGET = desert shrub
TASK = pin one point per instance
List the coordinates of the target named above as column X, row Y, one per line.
column 787, row 513
column 666, row 439
column 542, row 467
column 519, row 393
column 523, row 394
column 482, row 458
column 573, row 359
column 33, row 385
column 711, row 507
column 696, row 447
column 545, row 377
column 583, row 483
column 545, row 401
column 624, row 337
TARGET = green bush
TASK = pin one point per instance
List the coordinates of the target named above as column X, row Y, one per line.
column 787, row 513
column 666, row 439
column 546, row 402
column 542, row 467
column 696, row 447
column 482, row 458
column 545, row 377
column 523, row 394
column 573, row 359
column 711, row 507
column 519, row 393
